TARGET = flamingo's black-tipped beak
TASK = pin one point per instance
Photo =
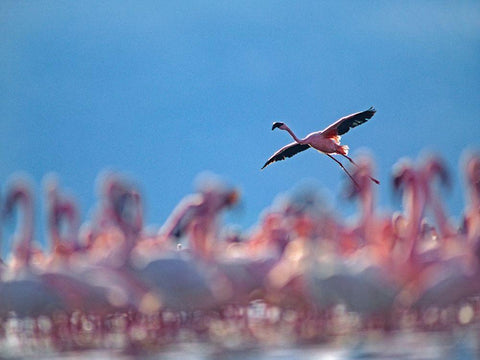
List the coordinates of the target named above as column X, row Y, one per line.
column 276, row 125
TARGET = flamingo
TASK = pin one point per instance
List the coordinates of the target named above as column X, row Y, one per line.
column 406, row 176
column 429, row 277
column 183, row 278
column 359, row 279
column 119, row 227
column 471, row 218
column 199, row 214
column 371, row 227
column 326, row 141
column 117, row 222
column 454, row 275
column 63, row 223
column 434, row 166
column 21, row 290
column 59, row 272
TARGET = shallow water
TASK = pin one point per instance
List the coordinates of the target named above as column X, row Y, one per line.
column 460, row 344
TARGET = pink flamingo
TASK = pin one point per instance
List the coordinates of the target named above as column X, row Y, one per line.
column 326, row 141
column 407, row 264
column 178, row 282
column 471, row 222
column 184, row 279
column 361, row 279
column 414, row 203
column 434, row 167
column 372, row 228
column 429, row 277
column 21, row 290
column 270, row 237
column 60, row 269
column 119, row 227
column 63, row 223
column 117, row 223
column 454, row 276
column 199, row 214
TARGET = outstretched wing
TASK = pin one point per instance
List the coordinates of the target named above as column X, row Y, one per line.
column 341, row 126
column 286, row 152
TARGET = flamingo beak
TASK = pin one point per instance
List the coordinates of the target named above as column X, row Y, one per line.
column 276, row 125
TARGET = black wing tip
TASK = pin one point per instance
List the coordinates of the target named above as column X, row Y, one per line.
column 370, row 112
column 266, row 164
column 286, row 152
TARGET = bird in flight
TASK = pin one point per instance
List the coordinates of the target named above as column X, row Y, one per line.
column 326, row 141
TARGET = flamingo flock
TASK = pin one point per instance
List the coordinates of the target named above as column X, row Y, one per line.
column 302, row 273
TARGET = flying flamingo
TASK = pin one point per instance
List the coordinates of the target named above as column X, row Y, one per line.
column 326, row 141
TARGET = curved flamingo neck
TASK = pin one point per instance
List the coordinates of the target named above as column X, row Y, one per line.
column 440, row 215
column 472, row 205
column 414, row 206
column 368, row 212
column 59, row 210
column 25, row 226
column 368, row 200
column 131, row 226
column 53, row 220
column 300, row 141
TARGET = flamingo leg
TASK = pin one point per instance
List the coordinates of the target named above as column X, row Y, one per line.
column 349, row 159
column 354, row 163
column 343, row 167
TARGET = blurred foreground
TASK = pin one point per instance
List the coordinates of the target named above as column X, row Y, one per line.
column 303, row 283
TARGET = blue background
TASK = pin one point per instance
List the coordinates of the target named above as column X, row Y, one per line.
column 163, row 91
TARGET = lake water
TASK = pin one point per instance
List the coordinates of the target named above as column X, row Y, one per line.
column 460, row 344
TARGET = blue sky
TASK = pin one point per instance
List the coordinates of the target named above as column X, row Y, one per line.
column 163, row 91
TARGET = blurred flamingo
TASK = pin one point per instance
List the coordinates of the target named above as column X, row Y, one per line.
column 185, row 279
column 406, row 176
column 454, row 275
column 21, row 290
column 471, row 218
column 119, row 227
column 63, row 223
column 199, row 214
column 361, row 280
column 60, row 270
column 372, row 233
column 434, row 167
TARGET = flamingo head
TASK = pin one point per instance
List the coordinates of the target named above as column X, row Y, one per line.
column 404, row 173
column 122, row 201
column 232, row 197
column 436, row 166
column 19, row 190
column 279, row 125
